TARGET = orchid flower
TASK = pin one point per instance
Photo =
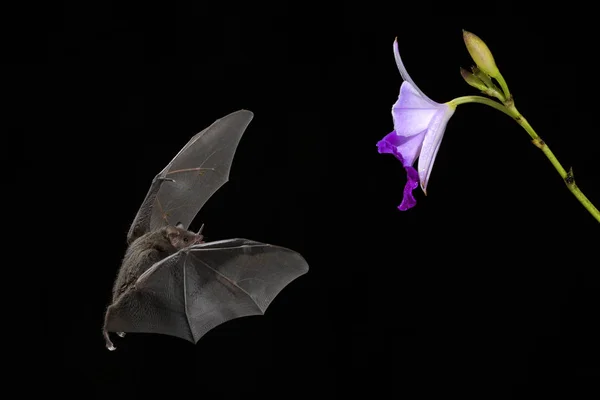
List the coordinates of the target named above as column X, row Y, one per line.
column 419, row 126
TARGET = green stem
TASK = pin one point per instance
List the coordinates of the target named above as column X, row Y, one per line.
column 480, row 99
column 503, row 85
column 511, row 110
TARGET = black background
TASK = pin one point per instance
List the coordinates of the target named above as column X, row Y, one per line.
column 487, row 288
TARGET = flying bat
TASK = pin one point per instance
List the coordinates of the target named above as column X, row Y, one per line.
column 171, row 281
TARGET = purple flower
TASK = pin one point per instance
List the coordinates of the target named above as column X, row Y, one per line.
column 419, row 126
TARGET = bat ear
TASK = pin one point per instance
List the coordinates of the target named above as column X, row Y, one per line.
column 172, row 231
column 179, row 225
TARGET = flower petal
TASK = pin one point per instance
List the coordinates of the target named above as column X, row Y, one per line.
column 388, row 145
column 410, row 147
column 410, row 97
column 404, row 72
column 412, row 182
column 431, row 143
column 406, row 149
column 408, row 119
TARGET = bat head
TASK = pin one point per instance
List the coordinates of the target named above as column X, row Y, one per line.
column 181, row 238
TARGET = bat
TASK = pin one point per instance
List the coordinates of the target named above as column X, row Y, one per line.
column 174, row 283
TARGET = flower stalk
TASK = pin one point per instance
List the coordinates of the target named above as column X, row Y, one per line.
column 509, row 109
column 486, row 71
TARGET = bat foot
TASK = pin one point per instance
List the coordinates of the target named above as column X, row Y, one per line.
column 109, row 344
column 121, row 334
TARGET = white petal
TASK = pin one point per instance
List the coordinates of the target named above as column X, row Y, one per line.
column 411, row 113
column 404, row 72
column 411, row 97
column 409, row 122
column 431, row 144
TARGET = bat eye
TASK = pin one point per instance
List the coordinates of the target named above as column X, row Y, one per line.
column 185, row 240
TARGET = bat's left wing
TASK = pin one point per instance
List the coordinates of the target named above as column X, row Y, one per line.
column 198, row 170
column 196, row 289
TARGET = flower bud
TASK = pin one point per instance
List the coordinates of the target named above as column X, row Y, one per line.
column 481, row 54
column 481, row 81
column 472, row 80
column 483, row 76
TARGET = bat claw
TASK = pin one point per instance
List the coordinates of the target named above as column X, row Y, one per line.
column 121, row 334
column 110, row 346
column 160, row 178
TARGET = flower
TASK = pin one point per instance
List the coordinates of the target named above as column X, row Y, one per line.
column 419, row 126
column 481, row 54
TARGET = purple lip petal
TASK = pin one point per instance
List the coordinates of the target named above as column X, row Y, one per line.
column 402, row 147
column 388, row 146
column 412, row 182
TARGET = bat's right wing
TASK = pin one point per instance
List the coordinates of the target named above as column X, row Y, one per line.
column 195, row 290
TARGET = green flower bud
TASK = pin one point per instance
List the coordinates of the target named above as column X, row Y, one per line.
column 483, row 76
column 481, row 54
column 480, row 81
column 472, row 80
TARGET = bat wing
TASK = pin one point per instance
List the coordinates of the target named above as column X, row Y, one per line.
column 196, row 289
column 199, row 169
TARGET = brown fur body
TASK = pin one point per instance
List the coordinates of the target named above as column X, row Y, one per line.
column 143, row 253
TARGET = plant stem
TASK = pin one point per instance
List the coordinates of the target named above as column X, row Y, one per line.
column 504, row 86
column 510, row 109
column 482, row 100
